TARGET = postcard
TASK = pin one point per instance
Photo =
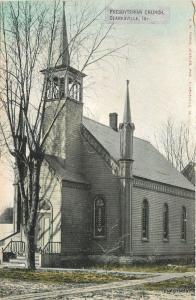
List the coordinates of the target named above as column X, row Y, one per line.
column 97, row 149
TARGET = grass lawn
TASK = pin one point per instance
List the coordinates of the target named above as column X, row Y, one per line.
column 184, row 284
column 60, row 277
column 152, row 268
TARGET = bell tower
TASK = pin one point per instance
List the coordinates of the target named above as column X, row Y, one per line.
column 64, row 86
column 62, row 80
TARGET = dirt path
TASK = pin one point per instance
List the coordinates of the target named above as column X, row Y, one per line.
column 96, row 291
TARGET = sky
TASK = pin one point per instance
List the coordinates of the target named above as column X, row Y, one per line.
column 156, row 63
column 155, row 60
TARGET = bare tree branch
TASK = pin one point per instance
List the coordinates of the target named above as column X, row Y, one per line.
column 176, row 143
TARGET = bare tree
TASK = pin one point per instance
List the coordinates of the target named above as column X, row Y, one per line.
column 194, row 11
column 29, row 29
column 176, row 143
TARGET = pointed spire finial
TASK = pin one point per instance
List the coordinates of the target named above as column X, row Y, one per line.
column 127, row 110
column 65, row 58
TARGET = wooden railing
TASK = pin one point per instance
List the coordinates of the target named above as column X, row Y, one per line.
column 16, row 247
column 52, row 247
column 7, row 238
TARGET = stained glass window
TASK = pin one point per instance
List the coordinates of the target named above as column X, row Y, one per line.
column 145, row 220
column 99, row 217
column 184, row 223
column 165, row 221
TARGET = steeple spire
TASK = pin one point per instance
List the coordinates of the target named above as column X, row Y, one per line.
column 127, row 110
column 65, row 58
column 126, row 174
column 126, row 130
column 64, row 81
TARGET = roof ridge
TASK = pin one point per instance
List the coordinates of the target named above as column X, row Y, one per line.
column 95, row 121
column 98, row 122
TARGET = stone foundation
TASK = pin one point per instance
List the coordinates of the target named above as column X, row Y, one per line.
column 129, row 260
column 68, row 261
column 50, row 260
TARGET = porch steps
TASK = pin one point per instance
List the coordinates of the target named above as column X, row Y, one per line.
column 20, row 262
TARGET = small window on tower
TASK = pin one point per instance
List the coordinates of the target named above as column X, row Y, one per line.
column 62, row 87
column 74, row 89
column 58, row 87
column 55, row 88
column 99, row 217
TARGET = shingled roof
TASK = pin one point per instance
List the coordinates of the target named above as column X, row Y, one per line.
column 149, row 163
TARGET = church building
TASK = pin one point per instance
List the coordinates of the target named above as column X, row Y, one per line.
column 106, row 195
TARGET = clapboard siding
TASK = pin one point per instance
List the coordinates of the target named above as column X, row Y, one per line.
column 156, row 245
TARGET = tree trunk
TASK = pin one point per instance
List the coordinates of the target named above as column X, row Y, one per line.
column 32, row 216
column 30, row 249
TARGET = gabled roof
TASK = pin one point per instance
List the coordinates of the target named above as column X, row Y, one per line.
column 64, row 171
column 148, row 163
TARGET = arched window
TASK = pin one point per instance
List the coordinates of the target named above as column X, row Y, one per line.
column 145, row 220
column 99, row 217
column 74, row 88
column 165, row 222
column 184, row 223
